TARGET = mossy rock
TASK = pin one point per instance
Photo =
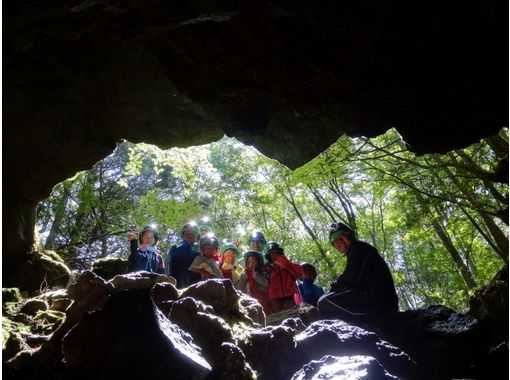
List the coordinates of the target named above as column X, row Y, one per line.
column 11, row 295
column 61, row 304
column 48, row 321
column 53, row 295
column 42, row 271
column 51, row 316
column 11, row 298
column 109, row 267
column 12, row 341
column 32, row 306
column 57, row 299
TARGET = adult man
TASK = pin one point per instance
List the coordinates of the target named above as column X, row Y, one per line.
column 365, row 288
column 257, row 241
column 204, row 226
column 181, row 256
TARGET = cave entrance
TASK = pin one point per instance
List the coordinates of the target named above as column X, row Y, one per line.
column 440, row 221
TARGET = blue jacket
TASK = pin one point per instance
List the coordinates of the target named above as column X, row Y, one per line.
column 180, row 258
column 148, row 260
column 310, row 292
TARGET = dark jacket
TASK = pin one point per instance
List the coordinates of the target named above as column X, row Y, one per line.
column 180, row 258
column 367, row 272
column 148, row 260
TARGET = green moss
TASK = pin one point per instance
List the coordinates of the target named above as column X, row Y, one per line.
column 10, row 328
column 51, row 316
column 41, row 272
column 52, row 255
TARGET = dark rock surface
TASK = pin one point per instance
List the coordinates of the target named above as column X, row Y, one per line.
column 289, row 77
column 112, row 332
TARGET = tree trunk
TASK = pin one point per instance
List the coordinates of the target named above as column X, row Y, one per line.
column 499, row 237
column 57, row 222
column 448, row 244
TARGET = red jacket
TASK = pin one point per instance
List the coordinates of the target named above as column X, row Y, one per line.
column 284, row 274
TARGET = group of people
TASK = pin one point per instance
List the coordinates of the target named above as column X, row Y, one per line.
column 365, row 288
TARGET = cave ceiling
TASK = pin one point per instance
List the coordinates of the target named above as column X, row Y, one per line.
column 288, row 77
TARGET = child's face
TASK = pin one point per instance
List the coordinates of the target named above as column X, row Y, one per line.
column 251, row 262
column 229, row 257
column 148, row 238
column 308, row 273
column 274, row 255
column 208, row 251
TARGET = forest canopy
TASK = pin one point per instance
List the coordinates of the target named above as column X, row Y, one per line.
column 440, row 221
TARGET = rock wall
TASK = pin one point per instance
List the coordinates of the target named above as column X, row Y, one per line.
column 288, row 77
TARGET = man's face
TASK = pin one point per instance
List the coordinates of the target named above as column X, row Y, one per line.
column 342, row 244
column 189, row 236
column 256, row 246
column 204, row 230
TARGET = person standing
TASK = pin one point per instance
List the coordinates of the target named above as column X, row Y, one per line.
column 282, row 281
column 181, row 256
column 255, row 281
column 204, row 227
column 365, row 288
column 143, row 252
column 257, row 243
column 228, row 262
column 206, row 265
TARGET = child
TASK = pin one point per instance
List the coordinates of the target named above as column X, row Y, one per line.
column 254, row 281
column 228, row 263
column 309, row 291
column 205, row 264
column 282, row 283
column 144, row 254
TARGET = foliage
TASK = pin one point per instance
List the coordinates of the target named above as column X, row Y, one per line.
column 440, row 222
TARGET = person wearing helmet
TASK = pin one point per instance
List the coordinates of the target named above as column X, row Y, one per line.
column 257, row 241
column 144, row 255
column 181, row 256
column 204, row 226
column 228, row 262
column 283, row 275
column 309, row 291
column 255, row 281
column 365, row 288
column 206, row 265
